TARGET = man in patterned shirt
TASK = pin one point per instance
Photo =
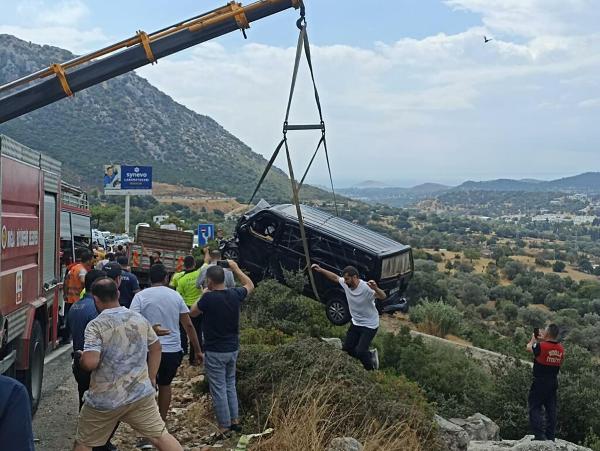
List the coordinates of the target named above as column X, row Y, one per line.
column 122, row 383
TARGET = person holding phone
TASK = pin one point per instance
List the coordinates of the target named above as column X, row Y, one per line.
column 213, row 258
column 548, row 355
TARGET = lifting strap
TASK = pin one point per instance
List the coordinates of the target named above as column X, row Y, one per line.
column 303, row 45
column 145, row 41
column 62, row 78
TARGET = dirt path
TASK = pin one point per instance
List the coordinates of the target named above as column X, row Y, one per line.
column 56, row 419
column 190, row 418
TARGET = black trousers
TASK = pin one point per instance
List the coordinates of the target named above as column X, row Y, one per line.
column 185, row 344
column 357, row 342
column 83, row 383
column 542, row 400
column 65, row 332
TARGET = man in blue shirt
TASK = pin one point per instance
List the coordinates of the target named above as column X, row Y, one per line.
column 129, row 283
column 15, row 416
column 15, row 412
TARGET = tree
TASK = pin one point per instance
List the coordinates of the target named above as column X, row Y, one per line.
column 473, row 294
column 558, row 266
column 472, row 254
column 512, row 268
column 105, row 214
column 436, row 318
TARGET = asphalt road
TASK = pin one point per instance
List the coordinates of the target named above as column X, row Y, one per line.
column 55, row 422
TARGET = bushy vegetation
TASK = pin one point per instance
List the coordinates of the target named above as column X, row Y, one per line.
column 280, row 361
column 282, row 367
column 436, row 318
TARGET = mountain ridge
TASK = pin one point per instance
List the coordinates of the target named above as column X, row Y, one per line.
column 127, row 120
column 586, row 181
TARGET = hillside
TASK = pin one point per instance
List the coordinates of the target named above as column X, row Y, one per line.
column 587, row 182
column 127, row 120
column 394, row 196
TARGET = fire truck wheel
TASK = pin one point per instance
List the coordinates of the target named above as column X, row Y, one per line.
column 32, row 378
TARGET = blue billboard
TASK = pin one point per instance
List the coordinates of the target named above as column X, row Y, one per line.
column 206, row 232
column 122, row 179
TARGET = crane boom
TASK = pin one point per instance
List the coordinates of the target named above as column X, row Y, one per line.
column 63, row 80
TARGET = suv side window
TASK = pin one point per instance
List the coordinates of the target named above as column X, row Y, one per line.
column 265, row 227
column 292, row 240
column 332, row 250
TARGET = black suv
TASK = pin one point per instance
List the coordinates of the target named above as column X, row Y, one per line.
column 267, row 241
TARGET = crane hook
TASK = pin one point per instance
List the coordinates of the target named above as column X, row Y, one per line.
column 301, row 22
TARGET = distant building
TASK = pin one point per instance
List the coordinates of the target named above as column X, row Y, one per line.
column 557, row 218
column 159, row 219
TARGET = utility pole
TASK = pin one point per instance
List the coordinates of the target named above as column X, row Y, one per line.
column 127, row 205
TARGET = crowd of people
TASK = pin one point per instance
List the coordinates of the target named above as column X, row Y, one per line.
column 128, row 345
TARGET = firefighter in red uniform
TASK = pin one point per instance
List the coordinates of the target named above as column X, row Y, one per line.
column 548, row 357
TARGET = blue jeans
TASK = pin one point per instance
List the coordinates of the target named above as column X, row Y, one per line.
column 220, row 371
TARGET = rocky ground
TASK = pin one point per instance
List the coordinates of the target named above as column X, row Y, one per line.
column 190, row 418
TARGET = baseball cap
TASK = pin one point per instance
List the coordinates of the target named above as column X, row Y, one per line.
column 112, row 270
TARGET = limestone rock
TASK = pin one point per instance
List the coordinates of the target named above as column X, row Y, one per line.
column 525, row 444
column 345, row 444
column 451, row 436
column 479, row 427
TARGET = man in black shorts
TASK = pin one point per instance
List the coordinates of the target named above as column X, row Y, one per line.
column 164, row 308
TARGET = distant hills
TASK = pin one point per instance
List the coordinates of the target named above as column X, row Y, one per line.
column 586, row 183
column 393, row 196
column 127, row 120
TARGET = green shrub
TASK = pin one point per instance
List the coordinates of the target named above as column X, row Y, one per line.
column 355, row 397
column 436, row 318
column 450, row 379
column 275, row 306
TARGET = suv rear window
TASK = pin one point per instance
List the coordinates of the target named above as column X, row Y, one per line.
column 396, row 265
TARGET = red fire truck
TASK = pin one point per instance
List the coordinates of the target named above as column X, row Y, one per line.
column 29, row 261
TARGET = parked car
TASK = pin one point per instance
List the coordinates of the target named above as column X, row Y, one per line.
column 267, row 243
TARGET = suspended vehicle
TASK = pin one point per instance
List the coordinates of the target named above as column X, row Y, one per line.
column 267, row 243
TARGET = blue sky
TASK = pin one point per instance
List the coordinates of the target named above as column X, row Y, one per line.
column 410, row 91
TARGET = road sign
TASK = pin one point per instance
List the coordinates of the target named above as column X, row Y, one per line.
column 206, row 232
column 122, row 180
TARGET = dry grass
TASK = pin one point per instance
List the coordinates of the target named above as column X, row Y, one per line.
column 310, row 424
column 569, row 271
column 194, row 198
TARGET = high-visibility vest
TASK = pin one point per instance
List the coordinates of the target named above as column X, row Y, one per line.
column 73, row 284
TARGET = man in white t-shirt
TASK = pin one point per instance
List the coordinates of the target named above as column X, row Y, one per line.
column 361, row 297
column 165, row 308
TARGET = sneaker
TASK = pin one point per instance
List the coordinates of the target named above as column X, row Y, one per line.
column 143, row 443
column 375, row 358
column 236, row 428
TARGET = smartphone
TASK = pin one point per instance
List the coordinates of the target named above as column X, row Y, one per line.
column 223, row 263
column 536, row 332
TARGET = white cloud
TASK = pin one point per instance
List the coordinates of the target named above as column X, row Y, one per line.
column 590, row 103
column 421, row 108
column 54, row 13
column 58, row 23
column 77, row 41
column 440, row 108
column 532, row 18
